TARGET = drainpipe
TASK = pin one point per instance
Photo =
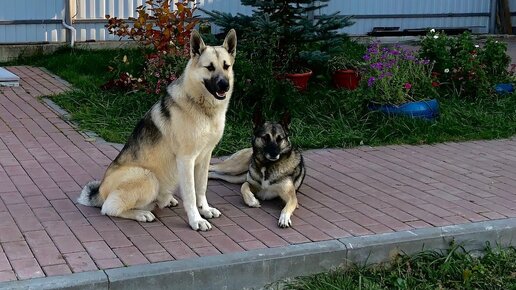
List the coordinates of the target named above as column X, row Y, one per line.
column 492, row 17
column 67, row 22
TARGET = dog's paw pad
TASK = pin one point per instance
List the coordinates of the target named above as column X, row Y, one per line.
column 200, row 225
column 284, row 221
column 210, row 212
column 145, row 216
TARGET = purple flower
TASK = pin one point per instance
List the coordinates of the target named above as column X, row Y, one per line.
column 367, row 57
column 377, row 66
column 394, row 52
column 371, row 81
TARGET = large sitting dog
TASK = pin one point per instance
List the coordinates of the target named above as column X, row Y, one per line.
column 171, row 146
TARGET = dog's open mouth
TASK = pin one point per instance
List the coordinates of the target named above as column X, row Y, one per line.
column 220, row 95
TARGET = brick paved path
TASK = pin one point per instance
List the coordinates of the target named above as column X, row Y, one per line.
column 44, row 162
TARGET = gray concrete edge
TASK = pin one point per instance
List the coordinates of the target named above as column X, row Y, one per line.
column 258, row 268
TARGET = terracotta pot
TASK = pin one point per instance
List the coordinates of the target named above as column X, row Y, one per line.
column 348, row 79
column 300, row 81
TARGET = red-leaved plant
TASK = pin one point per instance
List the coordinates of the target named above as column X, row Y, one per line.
column 166, row 32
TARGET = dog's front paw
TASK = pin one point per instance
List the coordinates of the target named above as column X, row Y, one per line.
column 284, row 221
column 200, row 225
column 251, row 201
column 144, row 216
column 209, row 212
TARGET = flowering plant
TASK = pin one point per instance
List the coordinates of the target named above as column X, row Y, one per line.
column 467, row 69
column 395, row 75
column 161, row 70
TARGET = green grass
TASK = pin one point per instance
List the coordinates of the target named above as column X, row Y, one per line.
column 452, row 269
column 322, row 116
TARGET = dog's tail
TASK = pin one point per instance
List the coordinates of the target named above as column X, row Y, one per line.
column 234, row 168
column 90, row 194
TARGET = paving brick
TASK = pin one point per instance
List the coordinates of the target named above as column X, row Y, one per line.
column 37, row 201
column 159, row 257
column 353, row 228
column 17, row 250
column 80, row 262
column 57, row 270
column 45, row 214
column 10, row 233
column 162, row 234
column 63, row 205
column 85, row 233
column 12, row 197
column 131, row 228
column 252, row 245
column 178, row 250
column 7, row 276
column 38, row 238
column 269, row 238
column 57, row 228
column 27, row 268
column 4, row 263
column 192, row 238
column 102, row 223
column 116, row 239
column 236, row 233
column 99, row 250
column 147, row 244
column 225, row 244
column 74, row 219
column 47, row 255
column 130, row 256
column 310, row 232
column 206, row 251
column 68, row 244
column 109, row 263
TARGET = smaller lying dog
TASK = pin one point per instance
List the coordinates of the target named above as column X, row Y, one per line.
column 271, row 168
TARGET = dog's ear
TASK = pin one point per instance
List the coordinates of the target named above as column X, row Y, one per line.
column 230, row 42
column 285, row 120
column 258, row 120
column 197, row 45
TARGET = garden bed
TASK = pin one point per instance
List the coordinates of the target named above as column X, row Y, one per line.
column 322, row 116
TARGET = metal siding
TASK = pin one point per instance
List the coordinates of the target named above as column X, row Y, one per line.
column 365, row 8
column 97, row 9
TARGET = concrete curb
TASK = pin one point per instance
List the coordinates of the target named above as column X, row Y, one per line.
column 257, row 268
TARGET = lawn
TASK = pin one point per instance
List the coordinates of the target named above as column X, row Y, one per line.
column 452, row 269
column 322, row 116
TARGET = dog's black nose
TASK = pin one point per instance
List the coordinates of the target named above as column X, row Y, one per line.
column 222, row 85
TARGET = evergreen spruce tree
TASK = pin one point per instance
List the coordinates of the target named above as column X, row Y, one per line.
column 286, row 30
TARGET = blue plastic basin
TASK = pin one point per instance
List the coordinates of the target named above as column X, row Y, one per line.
column 420, row 109
column 504, row 88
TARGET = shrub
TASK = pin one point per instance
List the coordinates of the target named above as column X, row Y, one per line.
column 157, row 25
column 395, row 75
column 283, row 28
column 164, row 35
column 464, row 68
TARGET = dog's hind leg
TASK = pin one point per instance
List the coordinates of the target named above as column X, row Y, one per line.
column 134, row 196
column 235, row 165
column 229, row 178
column 201, row 183
column 287, row 192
